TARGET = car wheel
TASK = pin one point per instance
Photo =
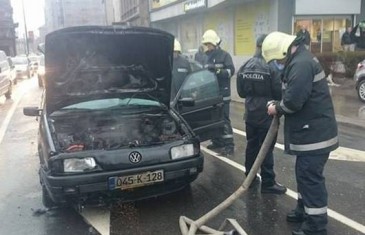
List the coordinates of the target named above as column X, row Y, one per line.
column 361, row 91
column 46, row 199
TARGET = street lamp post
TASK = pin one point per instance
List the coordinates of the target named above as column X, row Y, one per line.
column 26, row 31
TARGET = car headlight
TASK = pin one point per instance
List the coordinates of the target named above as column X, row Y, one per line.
column 79, row 164
column 186, row 150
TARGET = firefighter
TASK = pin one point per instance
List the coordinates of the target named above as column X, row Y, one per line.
column 220, row 62
column 259, row 83
column 310, row 128
column 180, row 69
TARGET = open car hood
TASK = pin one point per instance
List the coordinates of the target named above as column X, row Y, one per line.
column 98, row 62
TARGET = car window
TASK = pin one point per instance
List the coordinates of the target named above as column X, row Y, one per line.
column 200, row 85
column 109, row 103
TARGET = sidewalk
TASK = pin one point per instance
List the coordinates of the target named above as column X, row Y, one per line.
column 348, row 108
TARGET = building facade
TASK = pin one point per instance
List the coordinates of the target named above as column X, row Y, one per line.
column 131, row 12
column 67, row 13
column 7, row 29
column 239, row 22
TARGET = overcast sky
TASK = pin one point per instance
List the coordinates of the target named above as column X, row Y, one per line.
column 34, row 12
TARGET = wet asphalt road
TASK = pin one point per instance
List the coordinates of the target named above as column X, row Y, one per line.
column 21, row 210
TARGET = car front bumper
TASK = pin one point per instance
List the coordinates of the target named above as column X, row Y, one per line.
column 92, row 186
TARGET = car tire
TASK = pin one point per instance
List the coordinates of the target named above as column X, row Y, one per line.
column 46, row 198
column 361, row 90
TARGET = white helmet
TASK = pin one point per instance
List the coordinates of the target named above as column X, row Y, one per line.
column 177, row 45
column 276, row 46
column 210, row 36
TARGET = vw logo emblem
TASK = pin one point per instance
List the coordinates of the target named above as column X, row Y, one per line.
column 135, row 157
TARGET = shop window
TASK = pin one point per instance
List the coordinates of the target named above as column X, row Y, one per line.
column 325, row 33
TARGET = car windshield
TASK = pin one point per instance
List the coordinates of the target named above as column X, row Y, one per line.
column 114, row 103
column 20, row 61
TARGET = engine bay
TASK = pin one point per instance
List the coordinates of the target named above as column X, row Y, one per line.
column 110, row 131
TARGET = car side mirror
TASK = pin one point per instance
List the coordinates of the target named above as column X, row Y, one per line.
column 32, row 111
column 186, row 102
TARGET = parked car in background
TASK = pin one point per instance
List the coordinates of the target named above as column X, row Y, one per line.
column 107, row 128
column 359, row 77
column 5, row 76
column 41, row 71
column 34, row 63
column 22, row 67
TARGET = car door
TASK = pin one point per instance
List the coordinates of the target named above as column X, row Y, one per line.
column 3, row 77
column 205, row 112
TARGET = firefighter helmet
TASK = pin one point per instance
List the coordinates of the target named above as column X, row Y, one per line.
column 276, row 46
column 210, row 36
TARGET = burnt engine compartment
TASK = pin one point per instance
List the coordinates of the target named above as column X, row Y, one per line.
column 105, row 131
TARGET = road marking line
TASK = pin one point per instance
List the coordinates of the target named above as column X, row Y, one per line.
column 98, row 218
column 331, row 213
column 341, row 153
column 9, row 115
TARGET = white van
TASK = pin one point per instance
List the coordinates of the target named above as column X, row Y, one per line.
column 5, row 76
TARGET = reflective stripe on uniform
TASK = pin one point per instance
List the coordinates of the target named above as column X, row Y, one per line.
column 315, row 211
column 227, row 136
column 227, row 98
column 286, row 109
column 219, row 66
column 284, row 86
column 299, row 196
column 319, row 76
column 229, row 72
column 319, row 145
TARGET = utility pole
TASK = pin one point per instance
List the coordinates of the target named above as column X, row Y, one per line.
column 26, row 31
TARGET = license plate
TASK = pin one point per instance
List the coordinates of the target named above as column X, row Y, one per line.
column 137, row 180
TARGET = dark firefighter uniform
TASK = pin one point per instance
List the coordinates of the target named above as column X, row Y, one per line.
column 310, row 132
column 259, row 83
column 220, row 62
column 180, row 69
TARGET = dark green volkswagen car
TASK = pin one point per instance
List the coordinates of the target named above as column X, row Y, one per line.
column 107, row 126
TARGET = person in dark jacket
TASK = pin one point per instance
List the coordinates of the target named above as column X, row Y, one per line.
column 220, row 62
column 180, row 69
column 310, row 128
column 347, row 41
column 305, row 34
column 259, row 83
column 200, row 56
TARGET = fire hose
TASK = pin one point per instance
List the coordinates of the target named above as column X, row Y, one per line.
column 198, row 224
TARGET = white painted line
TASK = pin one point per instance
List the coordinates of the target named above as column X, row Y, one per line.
column 331, row 213
column 98, row 217
column 342, row 153
column 9, row 115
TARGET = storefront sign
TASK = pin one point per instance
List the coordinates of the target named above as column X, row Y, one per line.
column 160, row 3
column 194, row 4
